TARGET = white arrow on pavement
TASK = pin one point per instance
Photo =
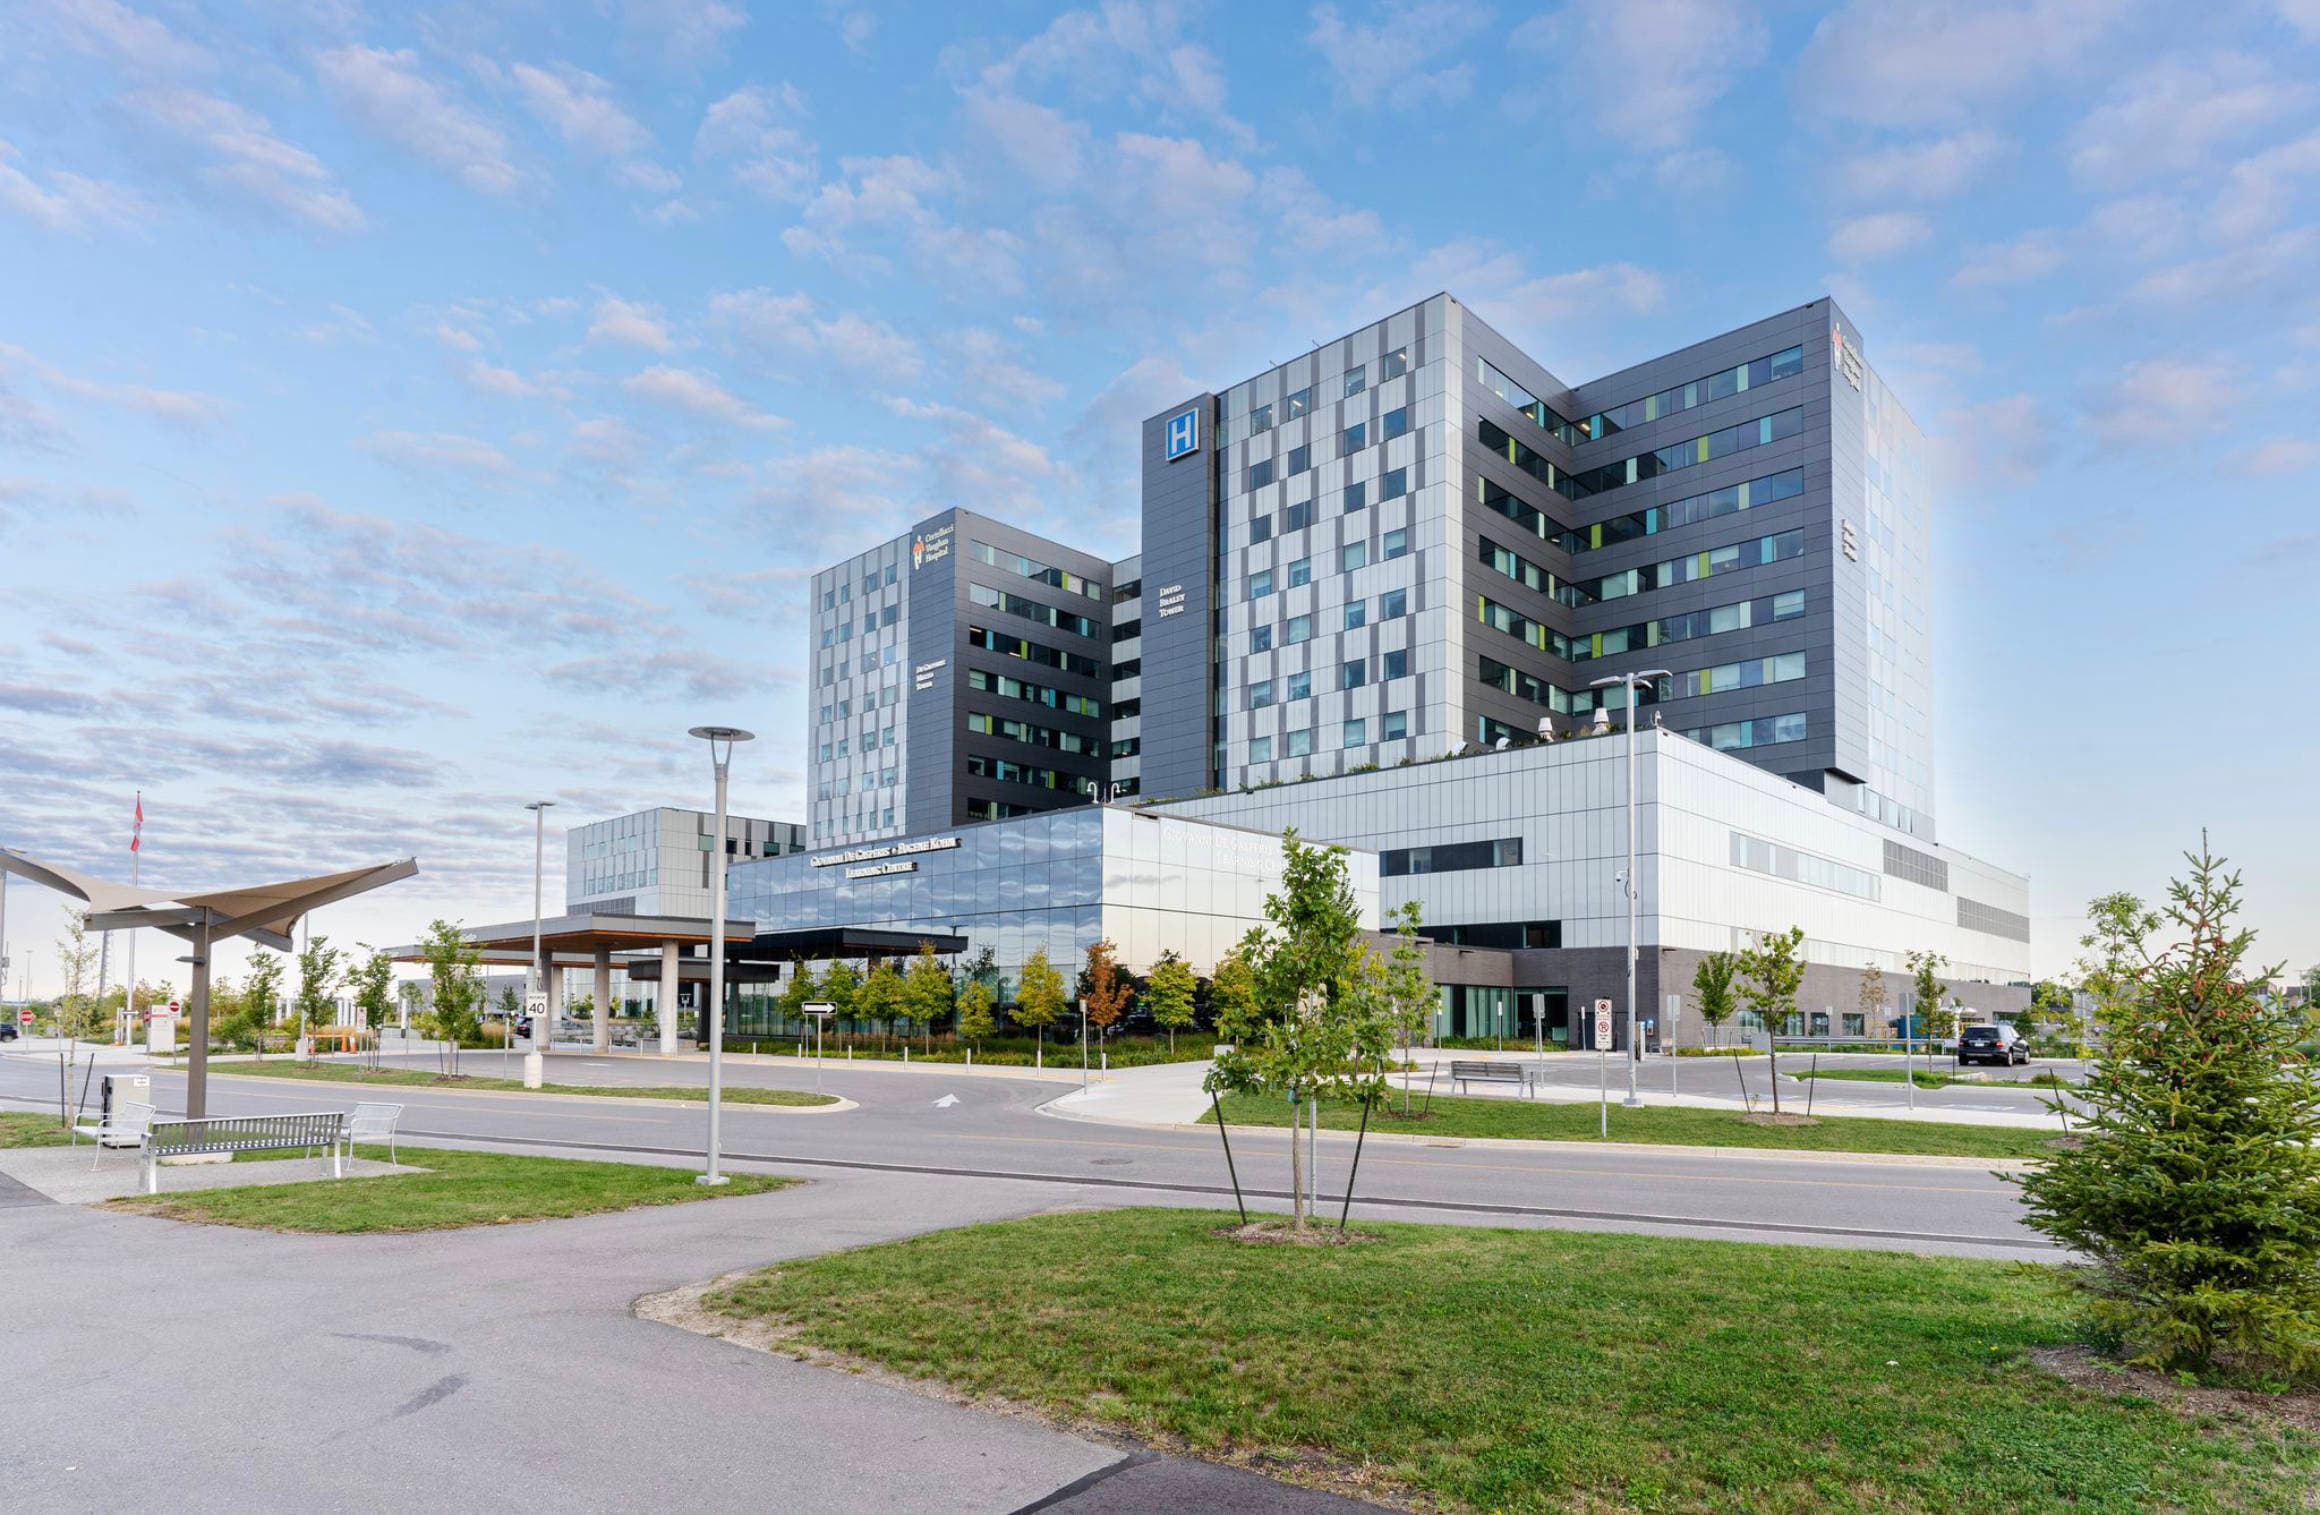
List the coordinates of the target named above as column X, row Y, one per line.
column 946, row 1102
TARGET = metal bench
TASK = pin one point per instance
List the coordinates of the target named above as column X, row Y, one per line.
column 242, row 1133
column 1464, row 1073
column 373, row 1123
column 125, row 1128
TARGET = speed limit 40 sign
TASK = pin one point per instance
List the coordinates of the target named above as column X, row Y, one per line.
column 1602, row 1024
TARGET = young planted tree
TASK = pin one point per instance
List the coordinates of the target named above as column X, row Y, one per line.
column 880, row 997
column 1872, row 999
column 1039, row 1001
column 1926, row 987
column 1712, row 989
column 1771, row 972
column 977, row 1022
column 1103, row 988
column 2194, row 1190
column 1172, row 994
column 262, row 996
column 318, row 971
column 1409, row 995
column 1232, row 990
column 373, row 983
column 839, row 983
column 78, row 1014
column 926, row 991
column 453, row 967
column 1317, row 1024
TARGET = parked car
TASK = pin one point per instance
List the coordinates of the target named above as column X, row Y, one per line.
column 2000, row 1044
column 7, row 1031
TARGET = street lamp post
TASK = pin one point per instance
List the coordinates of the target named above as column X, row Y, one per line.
column 721, row 740
column 536, row 993
column 1634, row 1030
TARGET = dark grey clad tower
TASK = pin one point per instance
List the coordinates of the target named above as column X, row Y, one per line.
column 1415, row 539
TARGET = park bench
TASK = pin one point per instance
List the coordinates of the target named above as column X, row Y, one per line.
column 373, row 1123
column 124, row 1128
column 1478, row 1072
column 242, row 1133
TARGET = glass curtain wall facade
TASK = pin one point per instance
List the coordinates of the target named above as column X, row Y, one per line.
column 656, row 862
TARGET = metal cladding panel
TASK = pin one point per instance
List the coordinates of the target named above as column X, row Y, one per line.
column 937, row 642
column 1179, row 600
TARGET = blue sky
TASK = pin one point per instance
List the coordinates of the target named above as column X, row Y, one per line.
column 406, row 411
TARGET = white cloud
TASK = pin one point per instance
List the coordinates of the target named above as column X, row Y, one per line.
column 2279, row 455
column 2172, row 116
column 1503, row 291
column 582, row 109
column 250, row 160
column 787, row 335
column 2162, row 401
column 1647, row 68
column 390, row 97
column 632, row 325
column 758, row 130
column 697, row 394
column 690, row 32
column 1123, row 51
column 111, row 30
column 1930, row 170
column 2147, row 226
column 437, row 449
column 176, row 406
column 1866, row 239
column 67, row 202
column 1041, row 143
column 500, row 381
column 1386, row 62
column 2303, row 15
column 2033, row 255
column 2284, row 259
column 988, row 373
column 2257, row 192
column 458, row 337
column 2003, row 442
column 1931, row 62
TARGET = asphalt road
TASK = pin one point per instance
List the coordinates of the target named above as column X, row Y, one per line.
column 994, row 1130
column 2007, row 1092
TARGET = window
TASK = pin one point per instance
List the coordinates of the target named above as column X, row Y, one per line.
column 1394, row 602
column 890, row 579
column 1300, row 687
column 1353, row 555
column 1394, row 484
column 1297, row 743
column 1450, row 857
column 1260, row 584
column 1356, row 733
column 1356, row 380
column 1394, row 665
column 1356, row 496
column 1356, row 614
column 1260, row 419
column 1394, row 364
column 829, row 599
column 1397, row 543
column 1787, row 607
column 1261, row 529
column 1260, row 694
column 1300, row 629
column 1261, row 638
column 1260, row 474
column 870, row 581
column 1396, row 725
column 1300, row 572
column 1300, row 458
column 1394, row 423
column 1354, row 674
column 1297, row 517
column 1260, row 749
column 1297, row 404
column 1030, row 568
column 845, row 594
column 1353, row 439
column 1760, row 856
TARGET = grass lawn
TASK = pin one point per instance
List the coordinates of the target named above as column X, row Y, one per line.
column 1536, row 1370
column 458, row 1189
column 31, row 1129
column 348, row 1073
column 1539, row 1120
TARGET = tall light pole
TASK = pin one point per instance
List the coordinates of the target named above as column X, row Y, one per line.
column 1634, row 707
column 536, row 995
column 721, row 740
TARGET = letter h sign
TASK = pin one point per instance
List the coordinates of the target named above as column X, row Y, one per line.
column 1183, row 434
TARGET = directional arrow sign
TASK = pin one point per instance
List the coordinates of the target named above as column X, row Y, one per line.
column 946, row 1102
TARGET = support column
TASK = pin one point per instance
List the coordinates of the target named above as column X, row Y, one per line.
column 668, row 1004
column 197, row 1016
column 601, row 1037
column 553, row 981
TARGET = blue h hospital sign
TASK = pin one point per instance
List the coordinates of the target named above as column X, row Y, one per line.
column 1183, row 434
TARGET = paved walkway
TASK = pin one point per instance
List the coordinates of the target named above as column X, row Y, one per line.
column 501, row 1368
column 75, row 1176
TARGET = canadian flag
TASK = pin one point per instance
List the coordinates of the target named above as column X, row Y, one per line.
column 137, row 831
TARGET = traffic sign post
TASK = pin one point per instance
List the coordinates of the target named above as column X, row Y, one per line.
column 1603, row 1061
column 821, row 1011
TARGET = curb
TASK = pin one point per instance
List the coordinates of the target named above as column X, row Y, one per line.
column 841, row 1105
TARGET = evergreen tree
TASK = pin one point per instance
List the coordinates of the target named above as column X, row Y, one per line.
column 1171, row 994
column 1770, row 974
column 1712, row 989
column 2194, row 1190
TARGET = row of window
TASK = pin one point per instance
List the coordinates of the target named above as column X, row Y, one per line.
column 843, row 594
column 1392, row 485
column 1450, row 857
column 1760, row 856
column 1689, row 511
column 1008, row 771
column 1032, row 610
column 1781, row 668
column 1300, row 402
column 1761, row 432
column 1392, row 727
column 885, row 778
column 872, row 620
column 1778, row 548
column 1392, row 605
column 1764, row 731
column 1298, row 572
column 1713, row 621
column 1034, row 652
column 1753, row 374
column 1030, row 568
column 1353, row 674
column 1352, row 439
column 1010, row 729
column 871, row 740
column 1037, row 694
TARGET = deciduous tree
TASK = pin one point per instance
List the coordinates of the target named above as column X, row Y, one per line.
column 1039, row 999
column 77, row 1012
column 373, row 983
column 1712, row 989
column 318, row 969
column 1925, row 986
column 453, row 967
column 1873, row 999
column 1171, row 993
column 262, row 995
column 976, row 1022
column 926, row 990
column 1103, row 988
column 1771, row 972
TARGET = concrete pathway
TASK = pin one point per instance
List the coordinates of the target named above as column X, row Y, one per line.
column 68, row 1176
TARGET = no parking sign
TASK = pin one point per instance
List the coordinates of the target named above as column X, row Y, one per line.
column 1602, row 1024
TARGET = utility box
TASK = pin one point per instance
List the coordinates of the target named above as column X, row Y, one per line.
column 124, row 1089
column 160, row 1031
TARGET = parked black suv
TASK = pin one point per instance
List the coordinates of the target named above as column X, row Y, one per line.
column 2002, row 1045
